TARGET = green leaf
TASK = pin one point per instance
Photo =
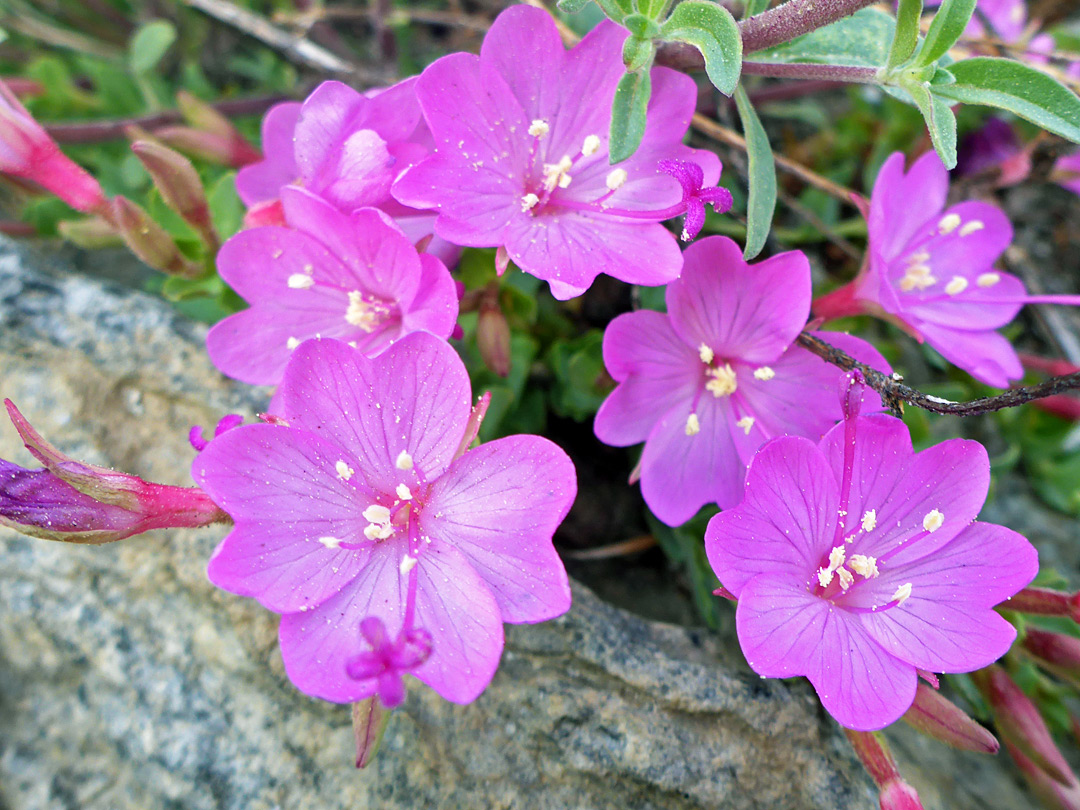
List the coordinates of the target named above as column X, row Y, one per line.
column 755, row 7
column 628, row 114
column 641, row 26
column 711, row 29
column 616, row 9
column 949, row 23
column 907, row 32
column 638, row 53
column 861, row 40
column 762, row 175
column 572, row 6
column 940, row 121
column 653, row 9
column 226, row 209
column 149, row 45
column 1022, row 90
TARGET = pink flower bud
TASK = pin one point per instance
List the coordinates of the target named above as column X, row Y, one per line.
column 493, row 335
column 209, row 146
column 179, row 185
column 369, row 719
column 149, row 241
column 91, row 233
column 895, row 793
column 899, row 795
column 1058, row 652
column 204, row 117
column 943, row 720
column 1045, row 602
column 1020, row 723
column 1052, row 793
column 82, row 503
column 27, row 151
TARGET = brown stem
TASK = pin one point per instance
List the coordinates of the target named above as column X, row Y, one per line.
column 893, row 392
column 793, row 19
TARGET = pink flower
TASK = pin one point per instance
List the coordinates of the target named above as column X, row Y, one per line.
column 706, row 384
column 1007, row 19
column 931, row 271
column 523, row 163
column 367, row 505
column 27, row 151
column 995, row 146
column 354, row 276
column 856, row 562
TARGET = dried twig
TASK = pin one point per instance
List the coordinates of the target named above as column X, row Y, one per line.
column 893, row 392
column 620, row 549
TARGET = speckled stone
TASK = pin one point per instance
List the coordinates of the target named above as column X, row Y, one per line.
column 127, row 682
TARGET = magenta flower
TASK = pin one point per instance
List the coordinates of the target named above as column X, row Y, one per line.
column 364, row 503
column 706, row 384
column 931, row 271
column 263, row 180
column 354, row 276
column 857, row 562
column 27, row 151
column 1067, row 172
column 523, row 163
column 995, row 146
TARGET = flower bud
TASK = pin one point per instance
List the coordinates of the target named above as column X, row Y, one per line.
column 205, row 118
column 1057, row 652
column 1051, row 793
column 82, row 503
column 91, row 233
column 209, row 146
column 27, row 151
column 493, row 335
column 179, row 185
column 943, row 720
column 894, row 792
column 1020, row 723
column 899, row 795
column 149, row 241
column 369, row 718
column 1045, row 602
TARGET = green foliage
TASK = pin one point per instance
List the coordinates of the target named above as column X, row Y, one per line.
column 686, row 551
column 940, row 121
column 149, row 45
column 578, row 366
column 711, row 29
column 861, row 40
column 948, row 24
column 906, row 38
column 762, row 177
column 628, row 114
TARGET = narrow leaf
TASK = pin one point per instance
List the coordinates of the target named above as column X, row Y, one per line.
column 1022, row 90
column 940, row 121
column 861, row 40
column 711, row 29
column 572, row 6
column 628, row 114
column 907, row 32
column 948, row 24
column 762, row 176
column 150, row 44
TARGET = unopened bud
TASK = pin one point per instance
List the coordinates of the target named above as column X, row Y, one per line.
column 1020, row 723
column 149, row 241
column 369, row 718
column 943, row 720
column 899, row 795
column 1057, row 652
column 493, row 335
column 209, row 146
column 91, row 233
column 1045, row 602
column 180, row 186
column 894, row 792
column 74, row 502
column 1052, row 793
column 204, row 117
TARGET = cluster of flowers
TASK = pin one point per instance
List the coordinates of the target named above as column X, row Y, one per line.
column 390, row 547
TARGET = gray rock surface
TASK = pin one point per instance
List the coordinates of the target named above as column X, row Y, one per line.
column 127, row 681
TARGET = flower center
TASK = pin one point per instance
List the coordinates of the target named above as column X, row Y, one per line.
column 366, row 311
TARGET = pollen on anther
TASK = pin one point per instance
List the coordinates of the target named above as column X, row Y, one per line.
column 300, row 281
column 564, row 180
column 869, row 520
column 291, row 343
column 988, row 279
column 971, row 227
column 344, row 471
column 407, row 564
column 539, row 128
column 956, row 285
column 705, row 353
column 529, row 201
column 764, row 373
column 404, row 492
column 746, row 423
column 404, row 461
column 863, row 565
column 376, row 513
column 846, row 578
column 615, row 179
column 949, row 223
column 592, row 143
column 723, row 381
column 824, row 577
column 836, row 557
column 693, row 425
column 902, row 593
column 330, row 542
column 933, row 520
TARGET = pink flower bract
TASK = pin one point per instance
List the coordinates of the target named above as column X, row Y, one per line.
column 522, row 157
column 857, row 562
column 364, row 507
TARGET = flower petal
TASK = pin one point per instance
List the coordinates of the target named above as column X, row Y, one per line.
column 261, row 181
column 986, row 355
column 901, row 203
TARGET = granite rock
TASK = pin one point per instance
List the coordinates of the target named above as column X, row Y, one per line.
column 127, row 681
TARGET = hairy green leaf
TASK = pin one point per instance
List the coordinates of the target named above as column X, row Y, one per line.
column 711, row 29
column 572, row 6
column 762, row 176
column 940, row 121
column 907, row 32
column 861, row 40
column 628, row 114
column 948, row 24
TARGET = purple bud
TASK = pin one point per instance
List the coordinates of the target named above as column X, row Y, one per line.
column 369, row 719
column 899, row 795
column 180, row 186
column 149, row 241
column 493, row 335
column 943, row 720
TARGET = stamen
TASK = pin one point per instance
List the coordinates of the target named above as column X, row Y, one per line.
column 764, row 373
column 922, row 257
column 846, row 578
column 330, row 542
column 407, row 564
column 825, row 577
column 404, row 461
column 949, row 223
column 723, row 381
column 592, row 143
column 933, row 520
column 553, row 172
column 344, row 471
column 539, row 128
column 836, row 557
column 864, row 566
column 378, row 531
column 564, row 180
column 917, row 277
column 693, row 425
column 291, row 343
column 746, row 423
column 299, row 281
column 988, row 279
column 869, row 520
column 529, row 201
column 705, row 353
column 376, row 513
column 902, row 593
column 615, row 179
column 957, row 285
column 364, row 314
column 404, row 492
column 971, row 227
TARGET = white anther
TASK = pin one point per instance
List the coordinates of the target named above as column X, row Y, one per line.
column 300, row 281
column 948, row 223
column 971, row 227
column 404, row 461
column 376, row 513
column 330, row 542
column 378, row 531
column 404, row 492
column 592, row 143
column 723, row 381
column 846, row 578
column 362, row 313
column 615, row 179
column 693, row 425
column 564, row 180
column 344, row 471
column 956, row 285
column 933, row 520
column 539, row 128
column 921, row 257
column 863, row 565
column 746, row 423
column 764, row 373
column 407, row 564
column 529, row 201
column 902, row 593
column 869, row 520
column 917, row 277
column 554, row 172
column 824, row 577
column 988, row 279
column 705, row 353
column 836, row 557
column 291, row 343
